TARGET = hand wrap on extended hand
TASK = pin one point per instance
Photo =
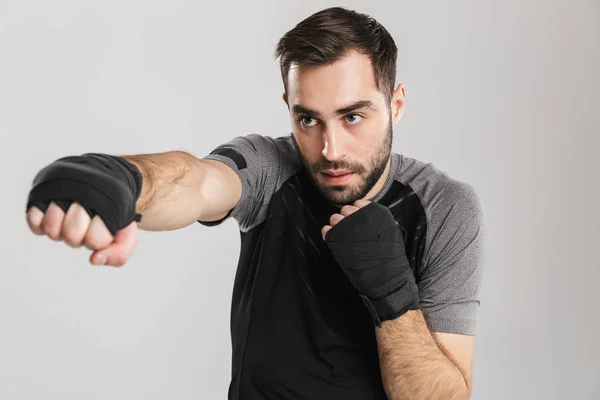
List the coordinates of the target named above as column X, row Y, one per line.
column 368, row 246
column 102, row 184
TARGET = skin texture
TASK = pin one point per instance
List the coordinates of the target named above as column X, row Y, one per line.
column 356, row 140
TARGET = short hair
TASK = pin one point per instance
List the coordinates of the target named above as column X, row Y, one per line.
column 327, row 35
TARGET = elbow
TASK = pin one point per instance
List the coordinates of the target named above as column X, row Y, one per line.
column 451, row 392
column 455, row 393
column 464, row 393
column 461, row 390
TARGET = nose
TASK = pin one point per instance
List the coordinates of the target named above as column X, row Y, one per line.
column 332, row 149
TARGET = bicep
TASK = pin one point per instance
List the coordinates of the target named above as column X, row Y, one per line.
column 221, row 190
column 245, row 173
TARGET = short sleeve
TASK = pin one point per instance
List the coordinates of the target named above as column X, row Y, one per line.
column 449, row 283
column 262, row 163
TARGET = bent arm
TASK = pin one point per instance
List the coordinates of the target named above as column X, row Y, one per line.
column 419, row 364
column 179, row 189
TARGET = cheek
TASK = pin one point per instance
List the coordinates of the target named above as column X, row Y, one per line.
column 310, row 147
column 369, row 137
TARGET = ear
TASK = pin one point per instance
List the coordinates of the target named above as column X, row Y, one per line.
column 397, row 103
column 285, row 100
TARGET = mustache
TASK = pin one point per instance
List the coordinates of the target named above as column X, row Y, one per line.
column 324, row 164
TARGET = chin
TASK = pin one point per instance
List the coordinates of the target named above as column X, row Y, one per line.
column 341, row 195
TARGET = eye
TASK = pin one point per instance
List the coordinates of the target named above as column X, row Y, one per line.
column 307, row 121
column 353, row 118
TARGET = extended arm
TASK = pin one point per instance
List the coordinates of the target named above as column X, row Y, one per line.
column 92, row 200
column 179, row 189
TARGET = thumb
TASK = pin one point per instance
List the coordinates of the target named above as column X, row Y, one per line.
column 119, row 251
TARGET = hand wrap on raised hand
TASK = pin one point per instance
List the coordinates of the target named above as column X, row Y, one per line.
column 103, row 185
column 368, row 246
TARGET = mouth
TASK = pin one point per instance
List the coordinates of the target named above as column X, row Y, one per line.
column 336, row 177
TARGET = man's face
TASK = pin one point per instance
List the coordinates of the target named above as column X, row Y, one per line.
column 343, row 125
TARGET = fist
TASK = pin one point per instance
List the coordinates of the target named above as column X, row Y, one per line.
column 369, row 248
column 76, row 228
column 344, row 212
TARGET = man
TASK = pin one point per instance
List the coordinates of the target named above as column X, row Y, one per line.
column 359, row 270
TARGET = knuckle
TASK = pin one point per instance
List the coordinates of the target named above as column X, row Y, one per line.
column 94, row 242
column 47, row 222
column 335, row 218
column 34, row 226
column 52, row 223
column 99, row 225
column 54, row 208
column 51, row 230
column 72, row 237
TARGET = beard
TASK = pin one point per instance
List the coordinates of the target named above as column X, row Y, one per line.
column 367, row 175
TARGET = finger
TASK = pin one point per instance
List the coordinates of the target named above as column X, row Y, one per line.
column 324, row 230
column 98, row 236
column 75, row 225
column 34, row 220
column 52, row 222
column 348, row 210
column 335, row 218
column 361, row 203
column 120, row 249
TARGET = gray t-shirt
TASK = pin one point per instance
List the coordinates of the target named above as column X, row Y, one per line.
column 290, row 297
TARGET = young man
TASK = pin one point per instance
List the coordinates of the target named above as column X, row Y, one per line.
column 360, row 268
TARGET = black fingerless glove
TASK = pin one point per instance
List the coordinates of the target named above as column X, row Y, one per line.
column 368, row 246
column 104, row 185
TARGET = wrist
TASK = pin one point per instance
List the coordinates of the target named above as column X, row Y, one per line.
column 394, row 304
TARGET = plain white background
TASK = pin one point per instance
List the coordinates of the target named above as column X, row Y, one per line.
column 503, row 95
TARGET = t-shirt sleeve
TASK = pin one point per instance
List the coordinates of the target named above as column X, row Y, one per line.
column 262, row 163
column 450, row 281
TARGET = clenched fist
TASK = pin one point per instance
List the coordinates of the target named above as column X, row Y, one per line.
column 346, row 211
column 367, row 242
column 77, row 229
column 88, row 201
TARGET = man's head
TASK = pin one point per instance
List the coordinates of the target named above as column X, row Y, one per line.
column 339, row 70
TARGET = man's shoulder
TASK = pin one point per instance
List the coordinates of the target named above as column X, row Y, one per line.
column 285, row 142
column 258, row 153
column 440, row 192
column 263, row 163
column 452, row 255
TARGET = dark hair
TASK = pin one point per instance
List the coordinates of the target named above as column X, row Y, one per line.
column 327, row 35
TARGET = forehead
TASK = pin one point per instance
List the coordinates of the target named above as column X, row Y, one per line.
column 327, row 87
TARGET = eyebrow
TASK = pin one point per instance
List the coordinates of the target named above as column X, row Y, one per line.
column 298, row 109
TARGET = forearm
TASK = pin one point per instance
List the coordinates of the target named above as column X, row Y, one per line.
column 413, row 365
column 178, row 189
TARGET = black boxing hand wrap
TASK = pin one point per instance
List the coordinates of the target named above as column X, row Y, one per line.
column 368, row 246
column 103, row 185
